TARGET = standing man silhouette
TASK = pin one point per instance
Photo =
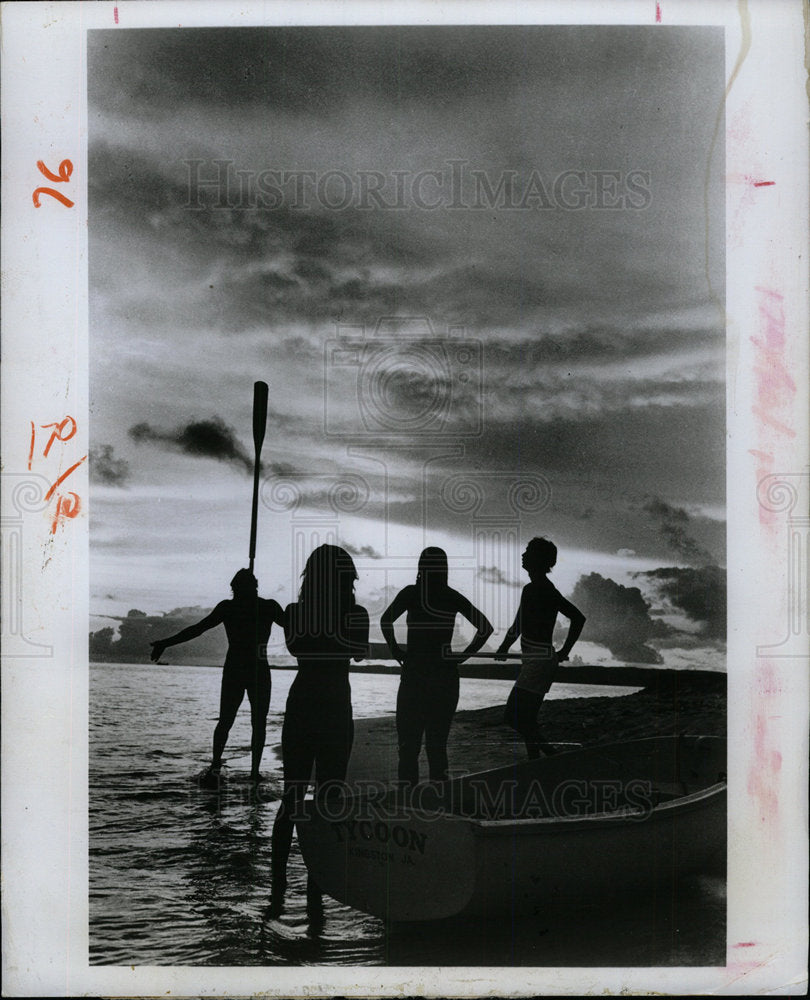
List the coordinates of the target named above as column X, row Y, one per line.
column 540, row 603
column 248, row 620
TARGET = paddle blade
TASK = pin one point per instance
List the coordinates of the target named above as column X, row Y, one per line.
column 260, row 391
column 259, row 425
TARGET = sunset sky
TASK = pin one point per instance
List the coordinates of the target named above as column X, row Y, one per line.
column 553, row 347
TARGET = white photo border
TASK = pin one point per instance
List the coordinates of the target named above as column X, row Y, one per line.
column 45, row 373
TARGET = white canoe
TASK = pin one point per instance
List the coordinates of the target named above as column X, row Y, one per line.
column 575, row 825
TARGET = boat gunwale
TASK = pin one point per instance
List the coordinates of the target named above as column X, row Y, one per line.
column 635, row 818
column 687, row 801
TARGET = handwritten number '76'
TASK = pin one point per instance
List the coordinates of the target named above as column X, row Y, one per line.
column 65, row 170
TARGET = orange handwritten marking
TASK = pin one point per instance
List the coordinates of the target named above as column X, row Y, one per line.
column 65, row 508
column 65, row 170
column 54, row 194
column 63, row 477
column 57, row 434
column 31, row 451
column 61, row 430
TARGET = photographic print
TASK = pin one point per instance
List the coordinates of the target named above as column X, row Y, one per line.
column 408, row 450
column 470, row 264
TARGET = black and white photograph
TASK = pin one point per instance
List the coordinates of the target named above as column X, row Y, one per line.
column 414, row 424
column 471, row 267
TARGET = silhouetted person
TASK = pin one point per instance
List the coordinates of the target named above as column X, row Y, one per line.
column 540, row 603
column 325, row 629
column 248, row 620
column 428, row 687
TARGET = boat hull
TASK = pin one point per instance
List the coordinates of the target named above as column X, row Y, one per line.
column 576, row 826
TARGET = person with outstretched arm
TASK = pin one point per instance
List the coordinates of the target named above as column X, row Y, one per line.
column 248, row 620
column 429, row 685
column 540, row 603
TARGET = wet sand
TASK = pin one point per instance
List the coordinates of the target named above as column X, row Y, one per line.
column 677, row 703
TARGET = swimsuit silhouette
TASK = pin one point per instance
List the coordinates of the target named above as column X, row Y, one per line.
column 324, row 630
column 429, row 685
column 248, row 620
column 540, row 602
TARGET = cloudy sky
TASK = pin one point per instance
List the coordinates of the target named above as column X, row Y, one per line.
column 479, row 269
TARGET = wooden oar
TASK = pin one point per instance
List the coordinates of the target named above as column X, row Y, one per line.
column 260, row 391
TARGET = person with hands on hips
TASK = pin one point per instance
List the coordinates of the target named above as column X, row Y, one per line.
column 429, row 685
column 540, row 603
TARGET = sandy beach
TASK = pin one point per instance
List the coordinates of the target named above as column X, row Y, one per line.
column 679, row 702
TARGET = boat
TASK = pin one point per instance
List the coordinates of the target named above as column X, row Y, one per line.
column 572, row 826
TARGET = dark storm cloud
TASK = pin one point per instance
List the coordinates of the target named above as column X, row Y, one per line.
column 596, row 446
column 170, row 197
column 597, row 327
column 674, row 524
column 242, row 268
column 203, row 438
column 618, row 617
column 137, row 630
column 596, row 501
column 314, row 70
column 605, row 342
column 699, row 593
column 315, row 264
column 482, row 269
column 105, row 468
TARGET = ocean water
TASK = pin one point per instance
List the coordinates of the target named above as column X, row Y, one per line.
column 180, row 876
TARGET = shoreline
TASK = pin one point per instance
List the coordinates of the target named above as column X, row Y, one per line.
column 480, row 740
column 623, row 675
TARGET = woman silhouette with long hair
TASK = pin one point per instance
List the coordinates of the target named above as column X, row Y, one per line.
column 429, row 685
column 324, row 630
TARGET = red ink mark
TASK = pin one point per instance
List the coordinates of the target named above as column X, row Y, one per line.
column 63, row 477
column 65, row 508
column 657, row 12
column 65, row 170
column 762, row 777
column 115, row 14
column 777, row 425
column 775, row 386
column 745, row 944
column 61, row 430
column 57, row 434
column 31, row 451
column 763, row 184
column 54, row 194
